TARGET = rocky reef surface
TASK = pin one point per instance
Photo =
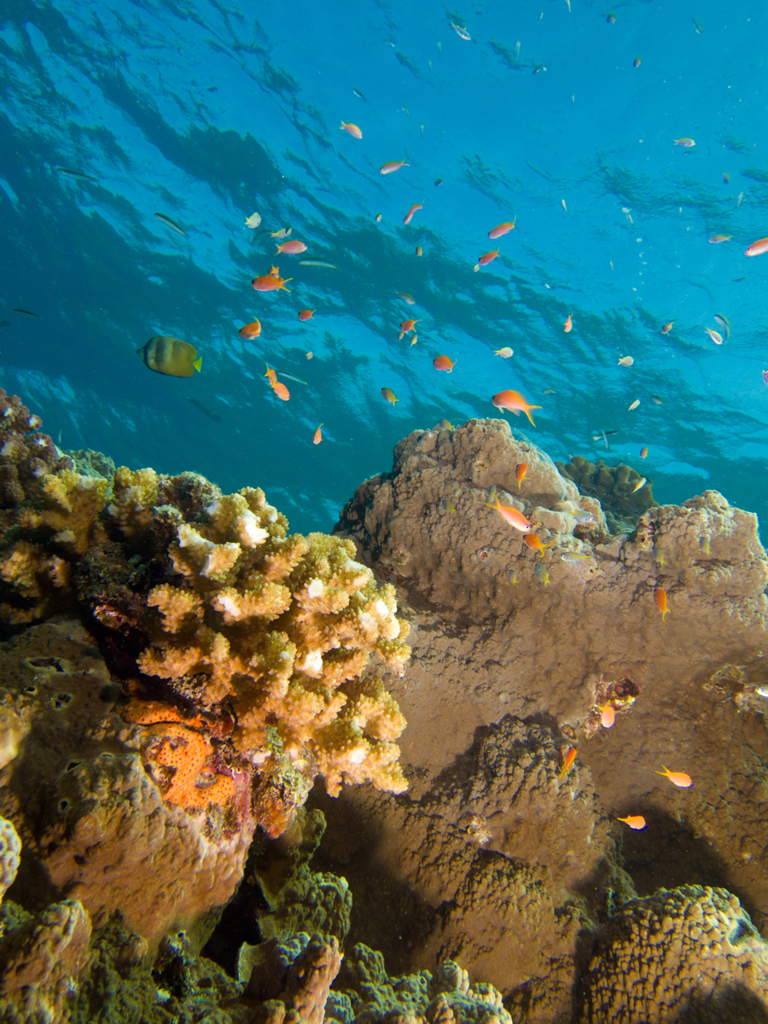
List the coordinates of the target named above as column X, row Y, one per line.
column 188, row 691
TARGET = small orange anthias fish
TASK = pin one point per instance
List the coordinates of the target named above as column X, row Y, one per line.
column 252, row 330
column 318, row 435
column 488, row 257
column 443, row 363
column 636, row 821
column 667, row 327
column 568, row 324
column 353, row 130
column 512, row 516
column 757, row 248
column 306, row 314
column 270, row 283
column 660, row 597
column 281, row 391
column 271, row 376
column 679, row 779
column 389, row 394
column 501, row 229
column 274, row 272
column 409, row 216
column 407, row 326
column 520, row 471
column 607, row 715
column 535, row 544
column 392, row 165
column 514, row 402
column 293, row 247
column 568, row 760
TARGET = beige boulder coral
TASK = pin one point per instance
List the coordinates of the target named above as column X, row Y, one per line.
column 684, row 954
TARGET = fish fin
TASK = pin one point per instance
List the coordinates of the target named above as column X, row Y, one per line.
column 198, row 363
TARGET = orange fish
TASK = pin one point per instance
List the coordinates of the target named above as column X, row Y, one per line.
column 293, row 247
column 318, row 436
column 252, row 330
column 568, row 324
column 306, row 314
column 677, row 778
column 281, row 390
column 512, row 516
column 667, row 327
column 409, row 216
column 270, row 374
column 520, row 470
column 568, row 760
column 535, row 544
column 514, row 402
column 660, row 597
column 443, row 363
column 757, row 248
column 407, row 326
column 607, row 715
column 353, row 130
column 389, row 394
column 270, row 283
column 392, row 165
column 274, row 272
column 501, row 229
column 636, row 821
column 487, row 257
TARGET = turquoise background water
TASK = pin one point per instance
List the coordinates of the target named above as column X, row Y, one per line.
column 208, row 112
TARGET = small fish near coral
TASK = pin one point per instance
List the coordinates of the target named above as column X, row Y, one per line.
column 389, row 395
column 514, row 402
column 443, row 363
column 170, row 356
column 679, row 779
column 635, row 821
column 252, row 330
column 568, row 759
column 512, row 515
column 660, row 597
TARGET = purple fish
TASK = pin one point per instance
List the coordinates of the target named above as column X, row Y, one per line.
column 765, row 376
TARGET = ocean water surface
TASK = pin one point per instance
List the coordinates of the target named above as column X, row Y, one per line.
column 560, row 116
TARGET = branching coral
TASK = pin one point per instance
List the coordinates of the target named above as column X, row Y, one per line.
column 210, row 594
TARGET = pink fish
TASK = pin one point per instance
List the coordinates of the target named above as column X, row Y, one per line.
column 293, row 247
column 409, row 216
column 502, row 229
column 757, row 248
column 512, row 516
column 392, row 165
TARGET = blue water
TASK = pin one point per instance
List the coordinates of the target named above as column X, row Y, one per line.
column 207, row 114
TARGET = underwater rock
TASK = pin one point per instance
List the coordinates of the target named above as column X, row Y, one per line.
column 460, row 560
column 684, row 954
column 616, row 487
column 88, row 462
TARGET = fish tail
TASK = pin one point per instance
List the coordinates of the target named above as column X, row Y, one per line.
column 282, row 284
column 198, row 363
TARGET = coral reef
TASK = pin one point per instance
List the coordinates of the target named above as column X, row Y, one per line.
column 497, row 852
column 26, row 455
column 686, row 692
column 622, row 496
column 233, row 677
column 687, row 954
column 40, row 954
column 83, row 801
